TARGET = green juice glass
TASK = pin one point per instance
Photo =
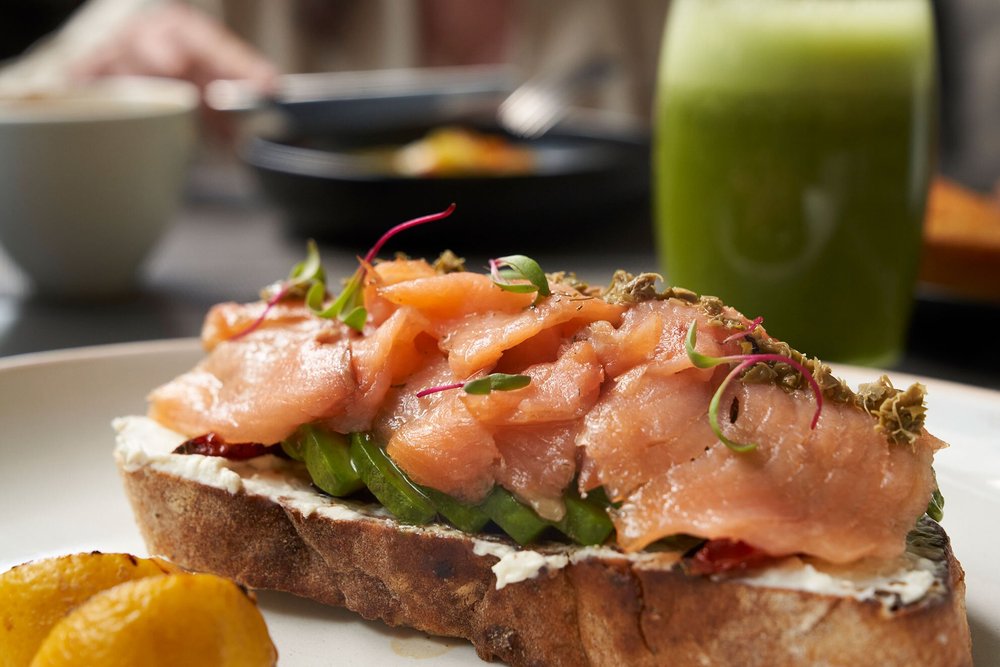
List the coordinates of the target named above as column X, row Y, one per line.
column 793, row 151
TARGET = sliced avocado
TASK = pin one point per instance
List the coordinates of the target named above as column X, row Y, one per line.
column 586, row 521
column 294, row 446
column 514, row 518
column 328, row 460
column 467, row 518
column 394, row 490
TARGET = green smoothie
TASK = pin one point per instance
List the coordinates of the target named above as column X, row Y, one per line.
column 793, row 143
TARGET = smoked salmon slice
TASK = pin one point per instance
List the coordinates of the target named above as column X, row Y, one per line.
column 800, row 490
column 613, row 400
column 261, row 387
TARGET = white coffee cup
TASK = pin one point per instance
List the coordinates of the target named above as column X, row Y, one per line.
column 90, row 178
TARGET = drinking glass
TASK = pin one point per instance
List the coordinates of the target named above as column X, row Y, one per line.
column 793, row 151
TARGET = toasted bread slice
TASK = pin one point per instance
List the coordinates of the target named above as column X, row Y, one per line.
column 260, row 523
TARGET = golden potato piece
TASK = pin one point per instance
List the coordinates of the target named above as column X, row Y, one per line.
column 184, row 619
column 35, row 595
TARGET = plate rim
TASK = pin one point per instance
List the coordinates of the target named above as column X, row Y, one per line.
column 96, row 352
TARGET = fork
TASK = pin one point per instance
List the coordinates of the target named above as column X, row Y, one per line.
column 539, row 103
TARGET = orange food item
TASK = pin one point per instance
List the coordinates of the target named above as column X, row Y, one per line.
column 35, row 595
column 183, row 619
column 961, row 254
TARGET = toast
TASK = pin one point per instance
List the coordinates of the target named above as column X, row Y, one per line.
column 261, row 523
column 677, row 486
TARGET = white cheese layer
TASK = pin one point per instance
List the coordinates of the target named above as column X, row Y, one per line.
column 905, row 580
column 142, row 442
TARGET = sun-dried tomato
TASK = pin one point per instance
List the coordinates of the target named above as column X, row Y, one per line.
column 211, row 444
column 726, row 555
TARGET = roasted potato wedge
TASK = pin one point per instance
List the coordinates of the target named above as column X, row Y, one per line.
column 184, row 619
column 34, row 596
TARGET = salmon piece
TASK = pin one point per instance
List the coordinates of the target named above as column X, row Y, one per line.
column 532, row 430
column 228, row 320
column 537, row 464
column 535, row 427
column 654, row 414
column 644, row 425
column 390, row 352
column 475, row 344
column 402, row 270
column 261, row 387
column 655, row 332
column 454, row 295
column 402, row 405
column 448, row 449
column 559, row 391
column 799, row 491
column 543, row 347
column 390, row 273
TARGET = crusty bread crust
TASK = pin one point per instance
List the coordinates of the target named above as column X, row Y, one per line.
column 595, row 611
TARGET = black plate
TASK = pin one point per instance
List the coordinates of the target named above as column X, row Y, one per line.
column 590, row 182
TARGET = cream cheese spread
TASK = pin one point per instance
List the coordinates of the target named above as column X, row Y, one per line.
column 514, row 565
column 901, row 582
column 142, row 442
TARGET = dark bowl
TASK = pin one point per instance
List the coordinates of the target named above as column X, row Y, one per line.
column 589, row 182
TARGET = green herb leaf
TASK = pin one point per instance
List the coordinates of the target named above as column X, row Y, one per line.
column 697, row 358
column 519, row 267
column 314, row 300
column 496, row 382
column 304, row 277
column 347, row 306
column 356, row 318
column 517, row 288
column 713, row 412
column 483, row 385
column 743, row 361
column 310, row 269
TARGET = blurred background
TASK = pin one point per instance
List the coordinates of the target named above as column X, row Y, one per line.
column 284, row 158
column 330, row 35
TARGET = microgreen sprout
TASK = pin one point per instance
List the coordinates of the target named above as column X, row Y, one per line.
column 348, row 305
column 303, row 278
column 757, row 321
column 518, row 267
column 743, row 362
column 308, row 280
column 483, row 385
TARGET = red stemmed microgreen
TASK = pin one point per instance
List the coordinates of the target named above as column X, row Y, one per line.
column 518, row 267
column 757, row 321
column 483, row 385
column 308, row 280
column 303, row 279
column 743, row 362
column 403, row 226
column 348, row 304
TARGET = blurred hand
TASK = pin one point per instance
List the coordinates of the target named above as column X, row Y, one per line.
column 178, row 41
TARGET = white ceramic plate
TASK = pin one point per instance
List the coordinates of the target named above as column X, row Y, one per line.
column 59, row 492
